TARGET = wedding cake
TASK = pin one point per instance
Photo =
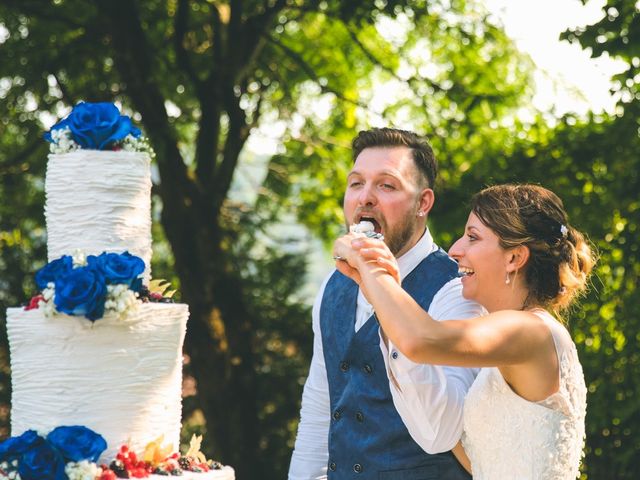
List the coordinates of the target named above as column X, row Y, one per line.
column 96, row 358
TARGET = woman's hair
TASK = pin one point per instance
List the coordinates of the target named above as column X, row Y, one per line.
column 560, row 258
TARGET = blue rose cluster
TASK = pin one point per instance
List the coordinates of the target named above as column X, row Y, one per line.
column 42, row 458
column 83, row 290
column 96, row 126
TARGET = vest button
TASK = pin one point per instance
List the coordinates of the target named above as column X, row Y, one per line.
column 344, row 366
column 357, row 468
column 332, row 466
column 360, row 417
column 394, row 355
column 337, row 415
column 367, row 368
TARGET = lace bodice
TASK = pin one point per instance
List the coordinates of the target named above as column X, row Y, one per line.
column 507, row 437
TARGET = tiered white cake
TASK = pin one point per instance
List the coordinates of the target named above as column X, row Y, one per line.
column 121, row 377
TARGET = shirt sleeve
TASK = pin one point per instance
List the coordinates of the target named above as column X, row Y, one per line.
column 311, row 450
column 429, row 398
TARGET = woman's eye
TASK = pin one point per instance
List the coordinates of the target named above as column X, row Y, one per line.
column 388, row 186
column 472, row 237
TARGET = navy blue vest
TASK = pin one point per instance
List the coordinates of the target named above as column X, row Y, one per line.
column 367, row 439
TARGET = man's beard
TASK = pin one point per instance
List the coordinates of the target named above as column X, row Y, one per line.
column 398, row 238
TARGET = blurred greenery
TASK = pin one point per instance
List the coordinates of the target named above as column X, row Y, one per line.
column 201, row 77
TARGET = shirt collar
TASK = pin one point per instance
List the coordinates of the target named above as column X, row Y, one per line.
column 416, row 254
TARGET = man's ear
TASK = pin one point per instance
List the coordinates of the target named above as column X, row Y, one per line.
column 517, row 258
column 427, row 199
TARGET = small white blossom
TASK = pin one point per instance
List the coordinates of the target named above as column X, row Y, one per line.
column 79, row 259
column 120, row 299
column 140, row 144
column 82, row 470
column 48, row 305
column 62, row 141
column 9, row 471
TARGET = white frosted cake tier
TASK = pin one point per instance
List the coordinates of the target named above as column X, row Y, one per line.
column 99, row 201
column 119, row 377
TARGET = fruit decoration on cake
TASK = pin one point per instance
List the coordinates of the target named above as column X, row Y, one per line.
column 72, row 452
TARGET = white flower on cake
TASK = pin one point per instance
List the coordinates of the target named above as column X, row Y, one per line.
column 46, row 303
column 79, row 259
column 82, row 470
column 137, row 144
column 120, row 300
column 96, row 126
column 62, row 141
column 94, row 285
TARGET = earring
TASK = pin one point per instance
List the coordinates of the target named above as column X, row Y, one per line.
column 421, row 214
column 508, row 280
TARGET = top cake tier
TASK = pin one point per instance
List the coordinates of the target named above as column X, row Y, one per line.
column 99, row 201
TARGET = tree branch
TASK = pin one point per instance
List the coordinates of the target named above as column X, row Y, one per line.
column 236, row 138
column 297, row 58
column 376, row 61
column 182, row 58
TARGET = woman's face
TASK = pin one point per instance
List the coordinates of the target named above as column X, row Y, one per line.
column 483, row 264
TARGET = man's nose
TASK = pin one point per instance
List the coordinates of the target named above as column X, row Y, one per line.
column 367, row 195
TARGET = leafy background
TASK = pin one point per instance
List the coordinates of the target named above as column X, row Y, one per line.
column 235, row 231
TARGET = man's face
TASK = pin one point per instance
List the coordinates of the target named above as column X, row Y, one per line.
column 383, row 187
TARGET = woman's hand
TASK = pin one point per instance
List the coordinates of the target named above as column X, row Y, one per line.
column 372, row 250
column 355, row 251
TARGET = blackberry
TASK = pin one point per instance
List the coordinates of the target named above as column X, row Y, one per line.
column 118, row 468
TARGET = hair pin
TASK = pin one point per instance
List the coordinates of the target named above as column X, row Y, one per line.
column 564, row 231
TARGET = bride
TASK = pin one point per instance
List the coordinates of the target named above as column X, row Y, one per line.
column 524, row 415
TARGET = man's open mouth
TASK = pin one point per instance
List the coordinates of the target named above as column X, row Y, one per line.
column 376, row 226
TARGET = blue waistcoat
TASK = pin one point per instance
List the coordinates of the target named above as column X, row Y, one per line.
column 367, row 439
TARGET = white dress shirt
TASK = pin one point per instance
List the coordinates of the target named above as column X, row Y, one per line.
column 428, row 398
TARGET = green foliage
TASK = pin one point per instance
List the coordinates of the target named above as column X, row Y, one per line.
column 199, row 76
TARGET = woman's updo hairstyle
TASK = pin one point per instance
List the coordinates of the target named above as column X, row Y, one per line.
column 560, row 258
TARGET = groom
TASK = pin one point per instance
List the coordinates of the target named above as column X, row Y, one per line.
column 349, row 426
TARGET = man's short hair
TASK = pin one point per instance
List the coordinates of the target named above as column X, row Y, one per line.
column 422, row 152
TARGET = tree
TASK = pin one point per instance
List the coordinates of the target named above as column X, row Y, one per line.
column 612, row 337
column 201, row 76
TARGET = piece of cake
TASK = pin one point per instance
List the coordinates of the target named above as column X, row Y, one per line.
column 97, row 349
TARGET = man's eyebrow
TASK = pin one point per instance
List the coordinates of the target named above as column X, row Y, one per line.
column 383, row 173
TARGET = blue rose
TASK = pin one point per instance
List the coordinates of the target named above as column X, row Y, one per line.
column 77, row 443
column 53, row 270
column 119, row 268
column 42, row 462
column 83, row 291
column 15, row 446
column 96, row 126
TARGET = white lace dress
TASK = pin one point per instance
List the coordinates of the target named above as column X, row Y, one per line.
column 507, row 437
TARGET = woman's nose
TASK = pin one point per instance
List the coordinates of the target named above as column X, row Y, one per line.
column 455, row 251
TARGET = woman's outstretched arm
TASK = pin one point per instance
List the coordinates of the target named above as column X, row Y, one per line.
column 501, row 338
